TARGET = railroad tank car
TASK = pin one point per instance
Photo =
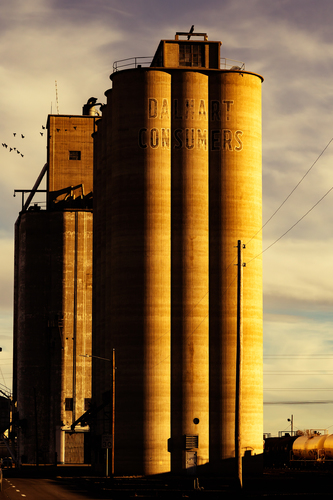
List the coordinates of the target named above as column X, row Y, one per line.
column 309, row 447
column 328, row 447
column 306, row 451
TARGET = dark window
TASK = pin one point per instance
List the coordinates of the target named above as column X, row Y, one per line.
column 69, row 404
column 191, row 55
column 75, row 155
column 87, row 404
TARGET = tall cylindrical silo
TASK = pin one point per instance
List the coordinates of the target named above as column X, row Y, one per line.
column 138, row 268
column 235, row 214
column 189, row 271
column 101, row 368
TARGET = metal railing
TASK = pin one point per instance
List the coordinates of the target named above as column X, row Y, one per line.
column 231, row 64
column 138, row 62
column 287, row 433
column 132, row 62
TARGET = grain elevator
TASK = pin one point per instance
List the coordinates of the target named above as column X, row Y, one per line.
column 177, row 182
column 53, row 299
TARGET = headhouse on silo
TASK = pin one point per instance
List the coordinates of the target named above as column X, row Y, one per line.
column 177, row 182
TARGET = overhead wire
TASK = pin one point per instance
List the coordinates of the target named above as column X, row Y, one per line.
column 300, row 372
column 292, row 227
column 319, row 402
column 321, row 389
column 292, row 191
column 288, row 356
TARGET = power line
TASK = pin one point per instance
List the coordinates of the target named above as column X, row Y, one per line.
column 292, row 191
column 320, row 402
column 297, row 356
column 298, row 389
column 305, row 372
column 286, row 232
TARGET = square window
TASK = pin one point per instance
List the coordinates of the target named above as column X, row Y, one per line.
column 75, row 155
column 87, row 404
column 191, row 55
column 69, row 404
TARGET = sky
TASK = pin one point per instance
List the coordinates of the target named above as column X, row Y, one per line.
column 55, row 54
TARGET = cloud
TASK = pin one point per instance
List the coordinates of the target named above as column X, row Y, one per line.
column 299, row 271
column 298, row 372
column 6, row 273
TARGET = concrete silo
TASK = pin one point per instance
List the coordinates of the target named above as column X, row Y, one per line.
column 136, row 233
column 178, row 176
column 235, row 214
column 189, row 270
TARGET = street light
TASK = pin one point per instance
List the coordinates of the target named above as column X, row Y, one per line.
column 113, row 391
column 291, row 420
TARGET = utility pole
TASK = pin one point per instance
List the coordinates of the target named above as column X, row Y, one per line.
column 113, row 407
column 112, row 413
column 239, row 356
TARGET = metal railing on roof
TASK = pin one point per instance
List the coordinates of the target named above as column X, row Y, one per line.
column 132, row 62
column 231, row 64
column 138, row 62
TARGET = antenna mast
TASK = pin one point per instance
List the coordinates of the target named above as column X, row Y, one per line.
column 57, row 101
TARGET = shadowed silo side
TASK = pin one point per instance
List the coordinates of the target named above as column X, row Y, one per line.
column 235, row 214
column 189, row 270
column 101, row 369
column 53, row 327
column 138, row 268
column 37, row 339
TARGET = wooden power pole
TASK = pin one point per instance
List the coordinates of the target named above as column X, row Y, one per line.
column 239, row 355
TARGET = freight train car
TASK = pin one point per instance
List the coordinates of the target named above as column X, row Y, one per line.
column 306, row 451
column 277, row 451
column 312, row 451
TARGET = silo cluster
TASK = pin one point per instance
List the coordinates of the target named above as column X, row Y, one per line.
column 177, row 182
